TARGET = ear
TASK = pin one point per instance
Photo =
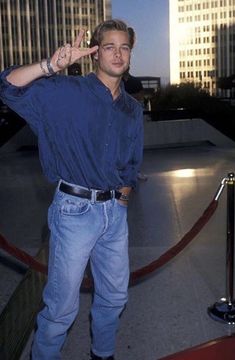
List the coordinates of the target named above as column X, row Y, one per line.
column 95, row 56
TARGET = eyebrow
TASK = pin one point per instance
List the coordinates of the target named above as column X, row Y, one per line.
column 112, row 43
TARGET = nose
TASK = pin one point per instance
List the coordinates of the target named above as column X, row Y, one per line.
column 117, row 51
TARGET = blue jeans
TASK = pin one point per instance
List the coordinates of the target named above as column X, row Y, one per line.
column 81, row 230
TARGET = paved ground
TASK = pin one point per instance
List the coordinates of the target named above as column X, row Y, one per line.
column 167, row 312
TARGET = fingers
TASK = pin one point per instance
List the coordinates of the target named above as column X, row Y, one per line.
column 90, row 50
column 67, row 54
column 78, row 39
column 77, row 44
column 79, row 53
column 84, row 52
column 64, row 56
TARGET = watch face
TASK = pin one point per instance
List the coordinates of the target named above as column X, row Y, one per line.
column 124, row 197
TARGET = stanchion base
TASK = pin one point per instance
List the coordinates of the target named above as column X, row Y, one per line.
column 223, row 311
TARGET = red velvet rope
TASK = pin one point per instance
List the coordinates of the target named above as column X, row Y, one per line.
column 22, row 256
column 174, row 250
column 137, row 274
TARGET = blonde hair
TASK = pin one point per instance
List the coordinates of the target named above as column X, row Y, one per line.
column 109, row 25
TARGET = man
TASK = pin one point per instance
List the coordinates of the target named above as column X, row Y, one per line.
column 90, row 143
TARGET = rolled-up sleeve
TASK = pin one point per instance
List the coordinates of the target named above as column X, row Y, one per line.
column 26, row 101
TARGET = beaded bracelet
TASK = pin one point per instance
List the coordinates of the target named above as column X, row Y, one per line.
column 42, row 62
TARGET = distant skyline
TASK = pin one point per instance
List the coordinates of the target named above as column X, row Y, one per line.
column 150, row 20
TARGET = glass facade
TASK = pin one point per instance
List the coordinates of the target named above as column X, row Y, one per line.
column 31, row 30
column 202, row 42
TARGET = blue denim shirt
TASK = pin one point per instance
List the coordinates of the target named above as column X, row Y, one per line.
column 84, row 136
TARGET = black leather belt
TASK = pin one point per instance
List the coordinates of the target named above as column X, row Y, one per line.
column 99, row 195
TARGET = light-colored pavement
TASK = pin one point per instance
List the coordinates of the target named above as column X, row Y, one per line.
column 167, row 312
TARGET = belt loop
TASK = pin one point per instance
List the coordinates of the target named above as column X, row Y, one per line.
column 93, row 197
column 58, row 185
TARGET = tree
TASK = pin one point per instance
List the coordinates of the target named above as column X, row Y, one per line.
column 227, row 83
column 185, row 95
column 196, row 103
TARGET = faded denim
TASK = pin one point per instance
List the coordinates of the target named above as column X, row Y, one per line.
column 81, row 230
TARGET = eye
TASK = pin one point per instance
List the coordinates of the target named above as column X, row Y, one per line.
column 125, row 48
column 109, row 48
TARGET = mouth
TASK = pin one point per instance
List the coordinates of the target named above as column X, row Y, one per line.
column 119, row 64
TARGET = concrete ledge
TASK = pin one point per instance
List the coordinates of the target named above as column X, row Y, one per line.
column 18, row 317
column 185, row 131
column 156, row 134
column 23, row 138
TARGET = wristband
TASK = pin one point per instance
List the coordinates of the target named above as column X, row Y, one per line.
column 50, row 68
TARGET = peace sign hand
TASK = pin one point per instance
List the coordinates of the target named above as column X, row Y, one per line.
column 69, row 54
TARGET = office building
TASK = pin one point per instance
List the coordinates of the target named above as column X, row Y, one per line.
column 202, row 43
column 31, row 30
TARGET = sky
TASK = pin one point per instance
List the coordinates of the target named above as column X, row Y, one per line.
column 150, row 20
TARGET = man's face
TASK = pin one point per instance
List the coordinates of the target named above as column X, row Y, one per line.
column 113, row 56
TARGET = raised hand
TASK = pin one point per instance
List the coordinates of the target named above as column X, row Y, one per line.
column 69, row 54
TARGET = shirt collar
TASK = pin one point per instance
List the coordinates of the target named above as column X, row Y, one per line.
column 103, row 91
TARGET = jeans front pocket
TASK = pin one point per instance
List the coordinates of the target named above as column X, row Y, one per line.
column 74, row 206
